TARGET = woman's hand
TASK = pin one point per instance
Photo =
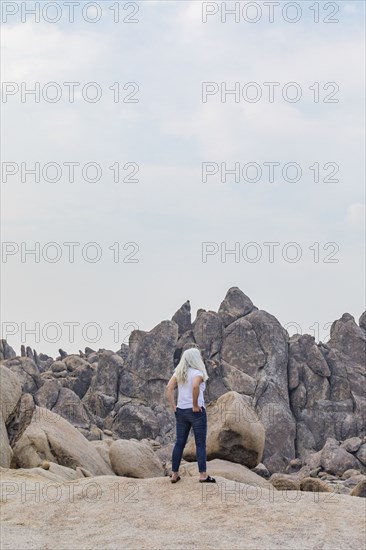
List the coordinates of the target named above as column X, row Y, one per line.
column 196, row 409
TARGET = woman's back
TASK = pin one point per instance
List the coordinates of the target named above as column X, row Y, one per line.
column 185, row 398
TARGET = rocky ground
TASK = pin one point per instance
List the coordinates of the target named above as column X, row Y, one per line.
column 117, row 512
column 86, row 440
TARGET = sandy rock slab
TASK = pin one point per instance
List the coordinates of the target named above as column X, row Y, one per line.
column 119, row 512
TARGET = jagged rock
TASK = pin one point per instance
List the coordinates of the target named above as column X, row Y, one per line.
column 27, row 373
column 50, row 437
column 6, row 351
column 352, row 444
column 362, row 321
column 62, row 353
column 134, row 459
column 335, row 459
column 20, row 418
column 44, row 362
column 348, row 338
column 326, row 387
column 257, row 346
column 235, row 433
column 302, row 392
column 207, row 332
column 235, row 305
column 271, row 399
column 150, row 363
column 183, row 318
column 103, row 391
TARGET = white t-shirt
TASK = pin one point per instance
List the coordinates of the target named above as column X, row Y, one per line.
column 185, row 398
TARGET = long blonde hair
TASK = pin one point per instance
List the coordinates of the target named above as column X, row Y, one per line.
column 191, row 358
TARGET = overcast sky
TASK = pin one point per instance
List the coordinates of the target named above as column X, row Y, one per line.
column 160, row 136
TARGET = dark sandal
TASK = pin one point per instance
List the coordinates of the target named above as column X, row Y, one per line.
column 175, row 480
column 208, row 479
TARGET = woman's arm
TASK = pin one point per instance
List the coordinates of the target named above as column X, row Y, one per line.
column 170, row 391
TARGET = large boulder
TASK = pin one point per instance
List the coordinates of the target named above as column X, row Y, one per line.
column 133, row 419
column 50, row 437
column 336, row 460
column 359, row 490
column 10, row 393
column 352, row 444
column 134, row 459
column 228, row 470
column 361, row 454
column 235, row 432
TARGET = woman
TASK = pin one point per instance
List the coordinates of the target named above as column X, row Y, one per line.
column 190, row 375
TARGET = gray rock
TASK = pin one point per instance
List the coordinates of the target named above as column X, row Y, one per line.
column 361, row 454
column 207, row 331
column 103, row 391
column 20, row 418
column 335, row 459
column 183, row 318
column 27, row 373
column 235, row 305
column 352, row 444
column 362, row 321
column 58, row 366
column 6, row 351
column 150, row 364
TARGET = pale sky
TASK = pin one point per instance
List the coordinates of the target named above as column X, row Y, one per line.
column 168, row 53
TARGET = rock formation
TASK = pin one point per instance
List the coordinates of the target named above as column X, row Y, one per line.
column 304, row 393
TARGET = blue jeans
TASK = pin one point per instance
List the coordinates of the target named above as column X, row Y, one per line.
column 185, row 420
